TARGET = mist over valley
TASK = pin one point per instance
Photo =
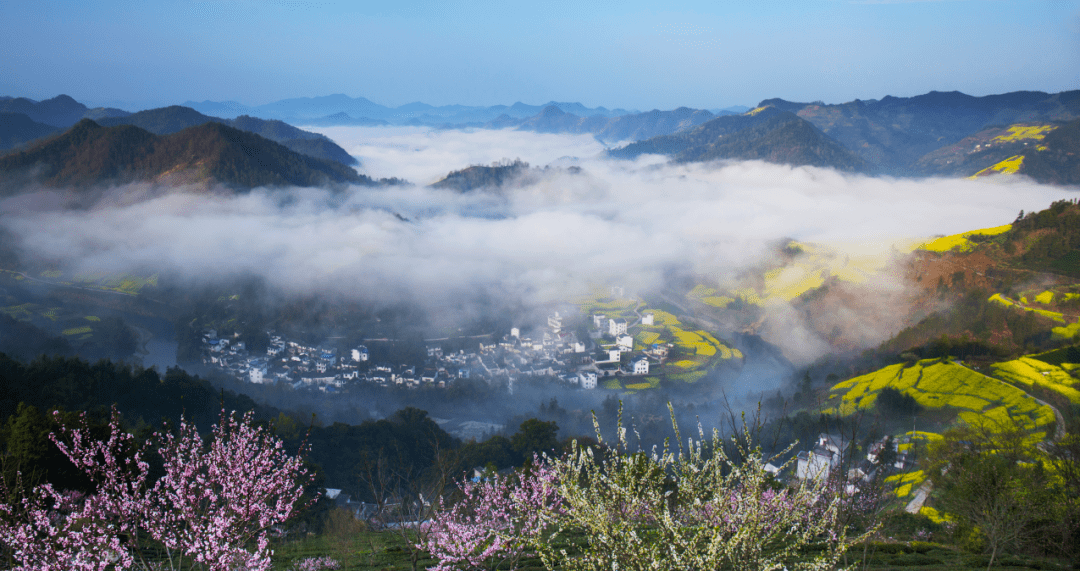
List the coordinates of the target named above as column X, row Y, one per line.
column 730, row 247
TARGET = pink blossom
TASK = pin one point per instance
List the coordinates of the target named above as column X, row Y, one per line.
column 214, row 506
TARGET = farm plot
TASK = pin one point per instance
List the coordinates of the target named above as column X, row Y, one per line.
column 962, row 242
column 1027, row 372
column 939, row 384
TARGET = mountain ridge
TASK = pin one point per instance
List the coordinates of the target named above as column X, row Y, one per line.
column 89, row 154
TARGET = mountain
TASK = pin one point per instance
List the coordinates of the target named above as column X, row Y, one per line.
column 219, row 108
column 1046, row 152
column 479, row 176
column 303, row 142
column 767, row 133
column 894, row 133
column 17, row 128
column 640, row 126
column 703, row 135
column 343, row 118
column 89, row 154
column 554, row 120
column 98, row 113
column 783, row 139
column 167, row 120
column 341, row 109
column 497, row 176
column 1057, row 159
column 161, row 121
column 301, row 108
column 982, row 150
column 60, row 111
column 629, row 127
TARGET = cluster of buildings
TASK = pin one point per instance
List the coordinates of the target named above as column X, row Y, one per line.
column 831, row 452
column 554, row 352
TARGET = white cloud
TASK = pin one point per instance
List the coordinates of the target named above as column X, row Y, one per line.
column 616, row 221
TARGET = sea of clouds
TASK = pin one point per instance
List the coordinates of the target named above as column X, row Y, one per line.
column 564, row 233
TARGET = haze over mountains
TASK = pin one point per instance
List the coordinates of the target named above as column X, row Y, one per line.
column 936, row 134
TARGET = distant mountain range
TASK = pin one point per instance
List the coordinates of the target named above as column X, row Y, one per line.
column 949, row 134
column 88, row 155
column 341, row 109
column 23, row 120
column 936, row 134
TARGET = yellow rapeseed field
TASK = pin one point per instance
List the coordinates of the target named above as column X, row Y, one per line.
column 961, row 241
column 934, row 383
column 1029, row 372
column 1021, row 132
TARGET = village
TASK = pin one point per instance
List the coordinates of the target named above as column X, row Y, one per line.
column 553, row 353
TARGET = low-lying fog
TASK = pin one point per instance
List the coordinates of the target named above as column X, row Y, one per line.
column 613, row 222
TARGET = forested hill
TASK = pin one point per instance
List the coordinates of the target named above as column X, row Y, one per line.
column 893, row 133
column 767, row 133
column 168, row 120
column 1057, row 159
column 89, row 154
column 784, row 139
column 408, row 442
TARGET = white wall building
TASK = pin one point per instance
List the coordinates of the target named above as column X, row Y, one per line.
column 616, row 327
column 647, row 319
column 625, row 343
column 555, row 322
column 640, row 366
column 587, row 379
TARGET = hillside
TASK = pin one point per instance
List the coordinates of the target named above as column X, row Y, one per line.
column 783, row 139
column 895, row 132
column 1057, row 160
column 768, row 134
column 89, row 154
column 18, row 128
column 496, row 176
column 168, row 120
column 479, row 176
column 60, row 111
column 629, row 127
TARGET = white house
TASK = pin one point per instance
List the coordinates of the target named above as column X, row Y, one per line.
column 587, row 379
column 598, row 320
column 616, row 327
column 816, row 463
column 555, row 322
column 647, row 319
column 625, row 343
column 579, row 347
column 826, row 456
column 257, row 374
column 640, row 366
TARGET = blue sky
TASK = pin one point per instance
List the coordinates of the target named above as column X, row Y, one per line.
column 626, row 54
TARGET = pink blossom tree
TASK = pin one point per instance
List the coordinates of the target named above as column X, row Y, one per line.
column 494, row 520
column 212, row 509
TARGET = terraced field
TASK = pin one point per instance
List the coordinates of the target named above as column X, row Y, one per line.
column 939, row 384
column 1029, row 372
column 961, row 242
column 699, row 350
column 1023, row 132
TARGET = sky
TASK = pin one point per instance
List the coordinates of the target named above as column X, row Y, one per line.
column 629, row 54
